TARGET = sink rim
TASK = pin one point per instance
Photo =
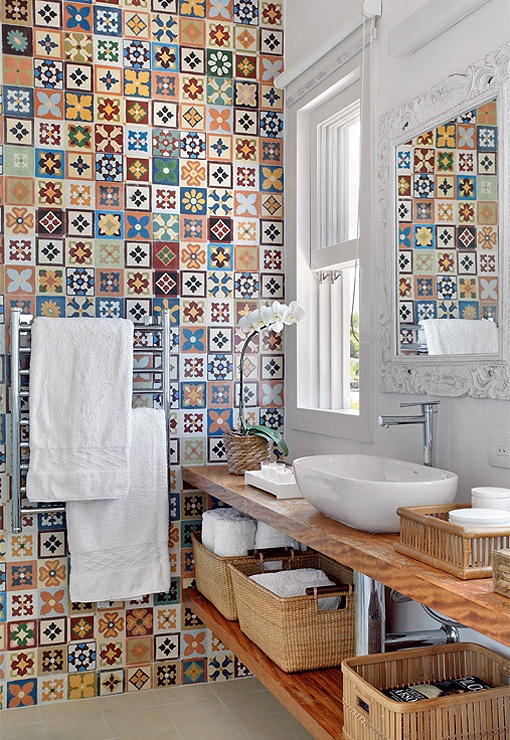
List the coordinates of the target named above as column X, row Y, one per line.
column 439, row 475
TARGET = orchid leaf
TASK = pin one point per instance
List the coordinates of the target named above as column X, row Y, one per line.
column 259, row 430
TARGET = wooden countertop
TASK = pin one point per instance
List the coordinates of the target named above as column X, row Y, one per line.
column 473, row 603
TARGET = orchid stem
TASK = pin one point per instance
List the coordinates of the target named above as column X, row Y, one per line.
column 242, row 423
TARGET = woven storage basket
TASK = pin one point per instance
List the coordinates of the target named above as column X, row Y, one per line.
column 212, row 574
column 501, row 572
column 292, row 631
column 427, row 535
column 480, row 715
column 245, row 451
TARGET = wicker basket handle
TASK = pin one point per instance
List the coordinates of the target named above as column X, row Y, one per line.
column 272, row 552
column 342, row 588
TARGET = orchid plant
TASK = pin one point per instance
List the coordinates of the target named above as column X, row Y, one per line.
column 274, row 317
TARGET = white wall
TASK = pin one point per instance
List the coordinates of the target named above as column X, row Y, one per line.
column 311, row 25
column 463, row 424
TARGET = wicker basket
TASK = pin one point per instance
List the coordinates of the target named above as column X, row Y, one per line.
column 501, row 572
column 293, row 632
column 212, row 574
column 480, row 715
column 245, row 451
column 427, row 535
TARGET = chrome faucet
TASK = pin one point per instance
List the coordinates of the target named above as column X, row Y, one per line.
column 428, row 409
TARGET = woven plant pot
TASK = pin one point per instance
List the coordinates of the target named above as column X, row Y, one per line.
column 245, row 451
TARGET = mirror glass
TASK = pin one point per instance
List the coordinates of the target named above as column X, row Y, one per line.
column 447, row 237
column 443, row 267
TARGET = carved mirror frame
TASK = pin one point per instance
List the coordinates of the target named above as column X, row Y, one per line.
column 480, row 376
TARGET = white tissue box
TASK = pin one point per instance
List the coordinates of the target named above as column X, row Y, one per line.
column 257, row 479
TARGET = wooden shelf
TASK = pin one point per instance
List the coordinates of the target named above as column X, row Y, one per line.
column 473, row 603
column 313, row 697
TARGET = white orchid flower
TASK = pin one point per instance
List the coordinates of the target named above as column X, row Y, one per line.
column 273, row 317
column 252, row 322
column 294, row 313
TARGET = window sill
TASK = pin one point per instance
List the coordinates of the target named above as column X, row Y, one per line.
column 343, row 423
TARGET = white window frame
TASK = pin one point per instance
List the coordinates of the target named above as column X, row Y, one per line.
column 303, row 379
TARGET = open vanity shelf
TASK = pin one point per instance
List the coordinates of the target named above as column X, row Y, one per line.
column 315, row 697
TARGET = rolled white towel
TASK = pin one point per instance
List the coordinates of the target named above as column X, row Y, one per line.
column 288, row 583
column 208, row 521
column 267, row 536
column 234, row 536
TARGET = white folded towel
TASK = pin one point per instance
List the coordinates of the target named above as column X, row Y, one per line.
column 81, row 379
column 460, row 336
column 119, row 549
column 267, row 536
column 289, row 583
column 228, row 532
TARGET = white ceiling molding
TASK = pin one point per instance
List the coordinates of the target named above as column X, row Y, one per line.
column 428, row 22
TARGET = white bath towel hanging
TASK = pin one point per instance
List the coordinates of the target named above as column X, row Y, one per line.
column 81, row 380
column 119, row 549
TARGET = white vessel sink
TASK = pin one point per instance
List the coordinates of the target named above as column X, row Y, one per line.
column 364, row 491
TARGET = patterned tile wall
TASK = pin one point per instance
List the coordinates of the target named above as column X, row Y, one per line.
column 447, row 221
column 142, row 157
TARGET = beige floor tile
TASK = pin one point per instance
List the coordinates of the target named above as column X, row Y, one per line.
column 258, row 704
column 23, row 716
column 239, row 686
column 278, row 727
column 22, row 732
column 168, row 735
column 184, row 694
column 125, row 722
column 229, row 730
column 69, row 709
column 132, row 700
column 94, row 727
column 205, row 712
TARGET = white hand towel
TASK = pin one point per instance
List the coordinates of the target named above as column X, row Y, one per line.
column 289, row 583
column 460, row 336
column 267, row 536
column 119, row 549
column 81, row 379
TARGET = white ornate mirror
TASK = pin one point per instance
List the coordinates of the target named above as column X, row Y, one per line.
column 444, row 258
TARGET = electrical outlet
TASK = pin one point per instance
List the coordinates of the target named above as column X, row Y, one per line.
column 498, row 449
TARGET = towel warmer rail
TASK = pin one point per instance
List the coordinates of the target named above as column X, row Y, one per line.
column 21, row 324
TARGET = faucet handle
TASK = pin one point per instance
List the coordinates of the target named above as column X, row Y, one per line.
column 423, row 404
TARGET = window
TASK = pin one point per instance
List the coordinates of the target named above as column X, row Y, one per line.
column 335, row 129
column 330, row 378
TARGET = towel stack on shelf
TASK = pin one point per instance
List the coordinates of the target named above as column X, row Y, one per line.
column 230, row 533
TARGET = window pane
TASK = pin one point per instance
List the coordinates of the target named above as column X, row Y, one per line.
column 338, row 151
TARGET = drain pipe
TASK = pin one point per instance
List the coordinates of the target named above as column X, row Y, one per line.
column 370, row 622
column 421, row 638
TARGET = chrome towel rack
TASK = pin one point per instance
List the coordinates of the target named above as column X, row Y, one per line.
column 158, row 338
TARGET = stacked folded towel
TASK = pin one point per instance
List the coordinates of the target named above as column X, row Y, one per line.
column 228, row 532
column 288, row 583
column 267, row 536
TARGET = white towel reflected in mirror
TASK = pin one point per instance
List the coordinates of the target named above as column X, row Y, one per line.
column 461, row 336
